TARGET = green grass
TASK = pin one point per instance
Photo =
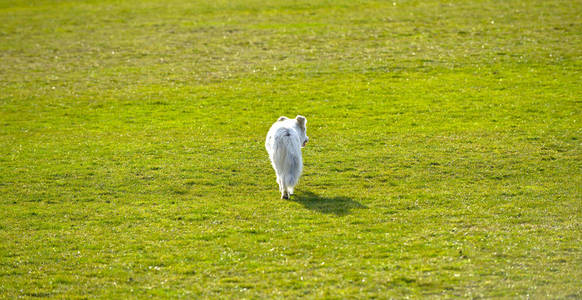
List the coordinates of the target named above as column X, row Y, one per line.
column 445, row 153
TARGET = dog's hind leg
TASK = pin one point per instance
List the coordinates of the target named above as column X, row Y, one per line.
column 282, row 188
column 284, row 193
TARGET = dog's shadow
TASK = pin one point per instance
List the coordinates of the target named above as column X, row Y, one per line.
column 339, row 206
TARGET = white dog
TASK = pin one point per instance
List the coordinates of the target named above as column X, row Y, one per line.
column 284, row 142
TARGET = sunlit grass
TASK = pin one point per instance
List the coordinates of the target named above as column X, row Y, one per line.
column 444, row 156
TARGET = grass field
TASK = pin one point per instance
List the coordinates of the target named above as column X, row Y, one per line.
column 445, row 154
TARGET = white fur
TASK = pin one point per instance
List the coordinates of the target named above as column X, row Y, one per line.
column 284, row 142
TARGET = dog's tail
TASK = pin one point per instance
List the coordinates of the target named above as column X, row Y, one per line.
column 287, row 157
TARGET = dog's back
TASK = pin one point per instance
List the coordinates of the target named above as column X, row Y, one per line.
column 283, row 143
column 286, row 156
